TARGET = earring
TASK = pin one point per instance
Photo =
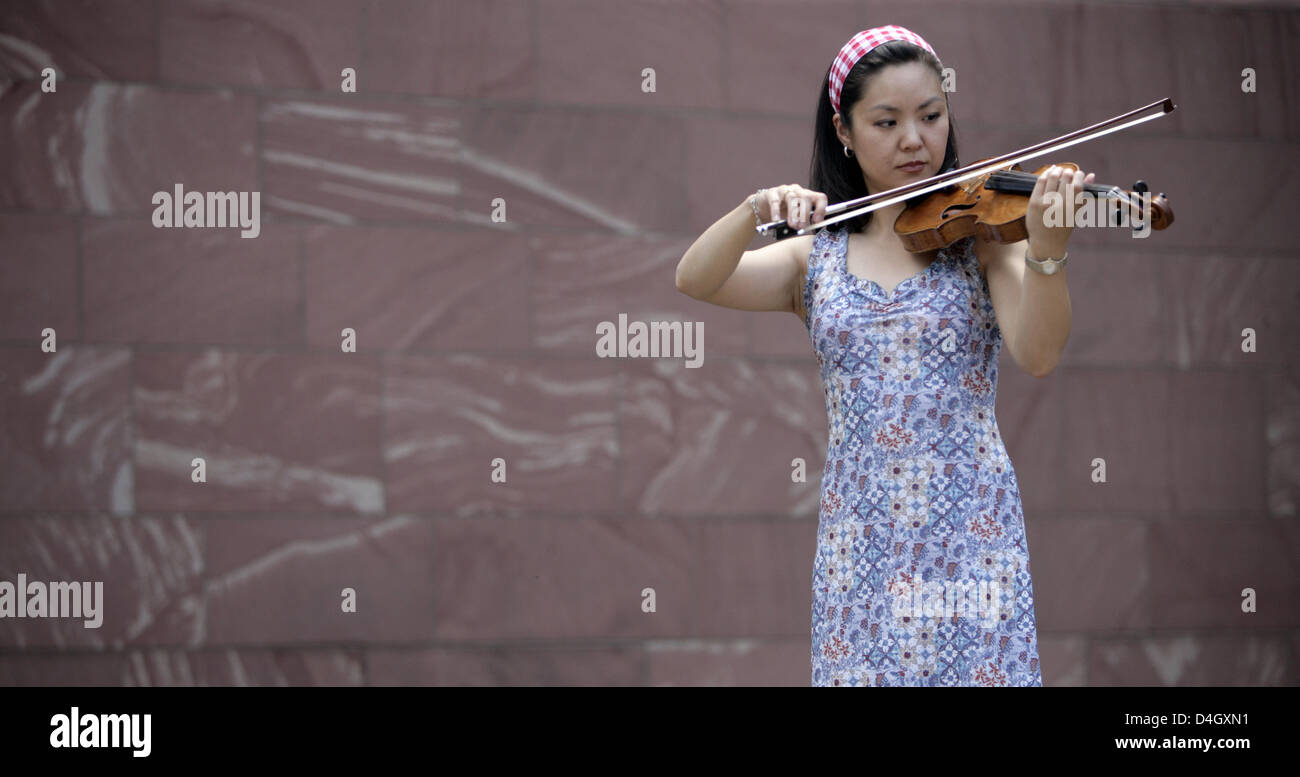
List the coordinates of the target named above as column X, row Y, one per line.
column 848, row 153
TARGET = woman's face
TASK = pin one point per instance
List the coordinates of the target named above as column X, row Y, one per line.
column 902, row 117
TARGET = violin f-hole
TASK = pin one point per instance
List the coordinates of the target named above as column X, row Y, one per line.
column 959, row 206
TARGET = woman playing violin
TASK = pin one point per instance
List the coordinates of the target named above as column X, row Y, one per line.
column 921, row 574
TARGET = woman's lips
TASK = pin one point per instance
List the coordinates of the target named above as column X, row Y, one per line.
column 915, row 167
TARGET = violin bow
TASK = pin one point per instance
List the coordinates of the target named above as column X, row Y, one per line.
column 873, row 202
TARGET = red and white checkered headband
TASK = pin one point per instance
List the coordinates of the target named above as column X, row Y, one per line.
column 859, row 45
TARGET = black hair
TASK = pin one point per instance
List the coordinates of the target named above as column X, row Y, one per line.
column 831, row 172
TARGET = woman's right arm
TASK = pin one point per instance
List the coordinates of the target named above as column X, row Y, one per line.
column 717, row 269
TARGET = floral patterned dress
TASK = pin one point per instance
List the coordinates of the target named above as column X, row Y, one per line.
column 921, row 575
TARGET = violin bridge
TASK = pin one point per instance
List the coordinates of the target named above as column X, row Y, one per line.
column 969, row 186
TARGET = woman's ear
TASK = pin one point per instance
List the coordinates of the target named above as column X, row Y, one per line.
column 840, row 131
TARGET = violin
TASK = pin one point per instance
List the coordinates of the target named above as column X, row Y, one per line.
column 994, row 202
column 993, row 206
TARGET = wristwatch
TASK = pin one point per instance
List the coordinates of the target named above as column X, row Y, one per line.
column 1046, row 266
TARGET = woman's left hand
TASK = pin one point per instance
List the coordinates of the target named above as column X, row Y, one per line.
column 1049, row 241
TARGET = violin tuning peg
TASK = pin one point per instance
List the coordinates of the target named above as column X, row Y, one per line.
column 1140, row 187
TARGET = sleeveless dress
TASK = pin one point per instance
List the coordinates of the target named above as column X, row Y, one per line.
column 921, row 574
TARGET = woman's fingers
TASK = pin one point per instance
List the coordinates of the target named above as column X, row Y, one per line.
column 773, row 204
column 803, row 201
column 819, row 213
column 801, row 206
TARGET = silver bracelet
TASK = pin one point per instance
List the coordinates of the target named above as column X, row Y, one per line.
column 1046, row 266
column 753, row 204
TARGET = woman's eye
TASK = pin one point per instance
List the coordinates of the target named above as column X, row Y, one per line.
column 931, row 117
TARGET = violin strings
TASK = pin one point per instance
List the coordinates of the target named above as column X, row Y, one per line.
column 1018, row 182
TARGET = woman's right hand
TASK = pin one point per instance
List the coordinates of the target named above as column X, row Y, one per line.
column 797, row 205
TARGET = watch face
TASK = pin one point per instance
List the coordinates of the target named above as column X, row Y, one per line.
column 1046, row 266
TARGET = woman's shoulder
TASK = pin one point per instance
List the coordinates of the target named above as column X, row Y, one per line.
column 801, row 250
column 824, row 239
column 808, row 250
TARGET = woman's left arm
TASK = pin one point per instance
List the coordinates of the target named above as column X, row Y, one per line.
column 1033, row 309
